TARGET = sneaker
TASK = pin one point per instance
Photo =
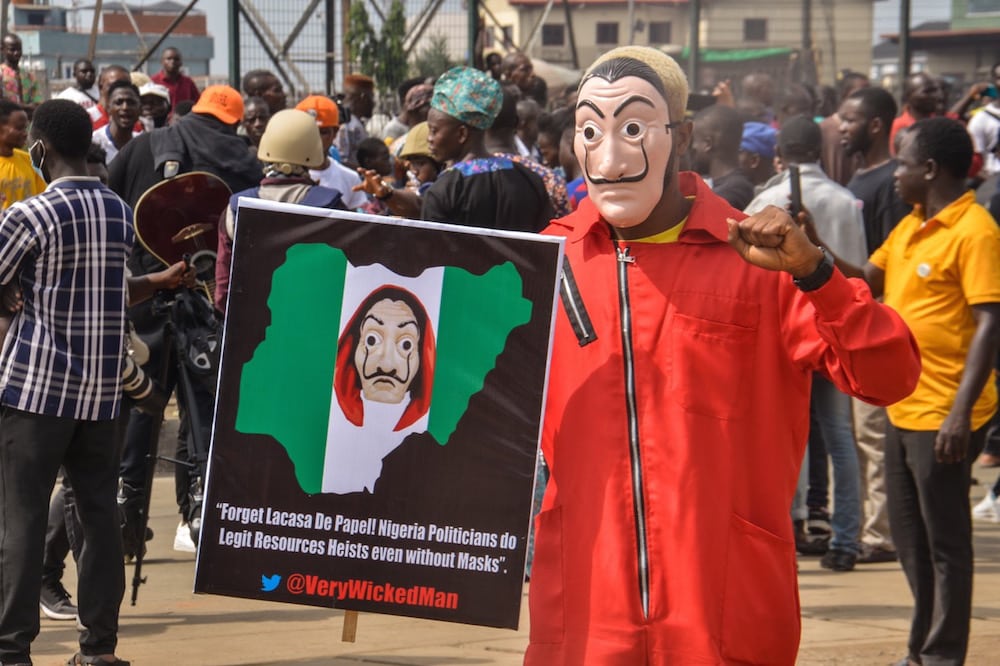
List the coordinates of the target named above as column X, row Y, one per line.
column 988, row 508
column 818, row 523
column 55, row 602
column 182, row 539
column 873, row 555
column 83, row 660
column 838, row 560
column 808, row 544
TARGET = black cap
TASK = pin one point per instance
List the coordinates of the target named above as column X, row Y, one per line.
column 800, row 136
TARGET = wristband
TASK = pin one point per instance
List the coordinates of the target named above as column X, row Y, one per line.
column 818, row 277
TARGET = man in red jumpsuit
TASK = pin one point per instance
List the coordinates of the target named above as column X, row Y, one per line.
column 678, row 405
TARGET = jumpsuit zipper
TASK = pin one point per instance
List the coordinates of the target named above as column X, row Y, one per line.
column 638, row 501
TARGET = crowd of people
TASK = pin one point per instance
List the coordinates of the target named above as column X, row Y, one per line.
column 884, row 189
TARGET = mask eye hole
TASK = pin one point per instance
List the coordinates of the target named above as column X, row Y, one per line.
column 591, row 132
column 633, row 129
column 372, row 339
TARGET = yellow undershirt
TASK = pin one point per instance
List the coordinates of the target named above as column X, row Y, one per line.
column 668, row 236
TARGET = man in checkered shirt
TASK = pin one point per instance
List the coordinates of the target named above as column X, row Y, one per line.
column 60, row 383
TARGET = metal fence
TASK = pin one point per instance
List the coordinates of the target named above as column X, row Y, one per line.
column 303, row 41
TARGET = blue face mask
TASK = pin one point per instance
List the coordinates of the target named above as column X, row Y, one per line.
column 37, row 149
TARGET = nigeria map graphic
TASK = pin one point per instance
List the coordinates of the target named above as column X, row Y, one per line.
column 405, row 353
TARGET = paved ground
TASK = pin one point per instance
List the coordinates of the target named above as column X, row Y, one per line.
column 848, row 618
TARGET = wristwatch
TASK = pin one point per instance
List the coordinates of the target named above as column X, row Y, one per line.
column 818, row 277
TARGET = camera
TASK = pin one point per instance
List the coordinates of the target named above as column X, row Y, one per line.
column 137, row 385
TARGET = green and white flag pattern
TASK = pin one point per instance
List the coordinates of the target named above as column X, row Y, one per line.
column 333, row 447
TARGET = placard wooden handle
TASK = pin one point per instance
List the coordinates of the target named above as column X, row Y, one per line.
column 350, row 630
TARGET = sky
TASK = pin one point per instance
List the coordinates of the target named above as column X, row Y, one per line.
column 921, row 11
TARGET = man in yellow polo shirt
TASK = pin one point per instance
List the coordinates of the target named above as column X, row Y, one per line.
column 940, row 269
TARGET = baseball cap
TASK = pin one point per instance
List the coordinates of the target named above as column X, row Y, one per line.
column 759, row 138
column 323, row 109
column 222, row 102
column 155, row 89
column 800, row 133
column 416, row 144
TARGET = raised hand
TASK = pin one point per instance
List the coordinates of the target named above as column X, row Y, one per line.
column 772, row 240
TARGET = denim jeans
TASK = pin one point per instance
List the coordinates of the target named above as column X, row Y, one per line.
column 830, row 418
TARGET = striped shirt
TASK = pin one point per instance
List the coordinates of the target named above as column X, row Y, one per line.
column 67, row 247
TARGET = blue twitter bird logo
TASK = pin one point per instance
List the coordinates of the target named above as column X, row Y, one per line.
column 269, row 583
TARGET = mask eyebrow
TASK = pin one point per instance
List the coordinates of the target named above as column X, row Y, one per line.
column 587, row 103
column 633, row 99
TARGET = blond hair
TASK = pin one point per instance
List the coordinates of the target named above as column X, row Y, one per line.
column 672, row 80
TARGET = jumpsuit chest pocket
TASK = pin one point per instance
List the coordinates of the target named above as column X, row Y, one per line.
column 713, row 344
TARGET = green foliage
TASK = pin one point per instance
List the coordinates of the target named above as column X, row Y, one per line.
column 361, row 39
column 433, row 59
column 391, row 68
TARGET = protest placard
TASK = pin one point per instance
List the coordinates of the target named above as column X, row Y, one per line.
column 379, row 409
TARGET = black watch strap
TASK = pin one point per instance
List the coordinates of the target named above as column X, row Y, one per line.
column 818, row 277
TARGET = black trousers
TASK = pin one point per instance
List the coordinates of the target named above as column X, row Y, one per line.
column 931, row 523
column 63, row 534
column 32, row 447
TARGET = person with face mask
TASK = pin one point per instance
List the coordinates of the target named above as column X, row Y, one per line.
column 18, row 180
column 61, row 369
column 677, row 405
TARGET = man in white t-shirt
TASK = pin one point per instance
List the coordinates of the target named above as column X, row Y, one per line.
column 984, row 127
column 333, row 174
column 85, row 91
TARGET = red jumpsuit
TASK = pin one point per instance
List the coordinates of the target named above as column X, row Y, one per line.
column 674, row 441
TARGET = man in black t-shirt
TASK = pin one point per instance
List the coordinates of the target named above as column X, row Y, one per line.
column 864, row 131
column 866, row 120
column 715, row 149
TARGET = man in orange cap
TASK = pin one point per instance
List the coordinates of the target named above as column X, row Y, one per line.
column 203, row 140
column 332, row 174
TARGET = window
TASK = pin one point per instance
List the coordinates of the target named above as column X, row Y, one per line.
column 983, row 7
column 553, row 35
column 755, row 30
column 35, row 18
column 659, row 32
column 607, row 33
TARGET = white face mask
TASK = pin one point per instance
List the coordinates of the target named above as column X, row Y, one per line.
column 623, row 142
column 37, row 147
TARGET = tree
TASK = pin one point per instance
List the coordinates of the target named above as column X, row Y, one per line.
column 361, row 39
column 433, row 59
column 391, row 68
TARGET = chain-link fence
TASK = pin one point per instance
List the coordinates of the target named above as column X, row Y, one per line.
column 302, row 41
